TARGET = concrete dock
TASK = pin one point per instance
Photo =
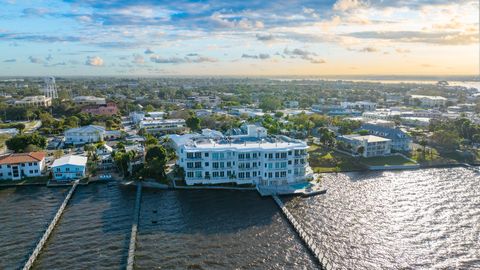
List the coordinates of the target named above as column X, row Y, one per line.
column 307, row 240
column 133, row 234
column 31, row 260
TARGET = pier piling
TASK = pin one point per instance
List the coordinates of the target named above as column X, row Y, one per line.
column 50, row 228
column 133, row 235
column 307, row 240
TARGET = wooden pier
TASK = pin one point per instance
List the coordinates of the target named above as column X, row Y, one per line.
column 133, row 234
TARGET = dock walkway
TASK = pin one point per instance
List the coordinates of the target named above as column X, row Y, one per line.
column 133, row 234
column 307, row 240
column 31, row 260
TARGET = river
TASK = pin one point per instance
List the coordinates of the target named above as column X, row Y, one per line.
column 420, row 219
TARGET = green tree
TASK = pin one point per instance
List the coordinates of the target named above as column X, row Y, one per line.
column 360, row 150
column 155, row 161
column 270, row 104
column 193, row 123
column 19, row 143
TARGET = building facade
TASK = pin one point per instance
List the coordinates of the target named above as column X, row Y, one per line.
column 163, row 125
column 21, row 165
column 34, row 101
column 108, row 109
column 83, row 135
column 89, row 100
column 373, row 146
column 400, row 141
column 69, row 168
column 428, row 101
column 252, row 158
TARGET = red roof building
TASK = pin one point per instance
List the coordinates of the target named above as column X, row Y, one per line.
column 108, row 109
column 20, row 165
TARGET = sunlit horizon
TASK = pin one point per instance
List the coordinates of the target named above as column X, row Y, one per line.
column 239, row 38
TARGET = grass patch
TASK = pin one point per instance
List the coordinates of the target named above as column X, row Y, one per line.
column 41, row 180
column 324, row 160
column 386, row 161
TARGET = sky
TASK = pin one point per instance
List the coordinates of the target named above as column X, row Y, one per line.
column 239, row 37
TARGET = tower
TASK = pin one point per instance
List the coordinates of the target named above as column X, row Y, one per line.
column 49, row 89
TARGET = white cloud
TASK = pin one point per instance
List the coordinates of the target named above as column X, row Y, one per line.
column 94, row 61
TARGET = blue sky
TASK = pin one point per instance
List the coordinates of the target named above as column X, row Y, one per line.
column 148, row 37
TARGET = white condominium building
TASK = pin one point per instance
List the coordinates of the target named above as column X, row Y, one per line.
column 253, row 158
column 34, row 101
column 162, row 125
column 89, row 100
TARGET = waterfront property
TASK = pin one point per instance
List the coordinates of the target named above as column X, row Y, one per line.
column 372, row 146
column 400, row 141
column 18, row 166
column 251, row 158
column 69, row 167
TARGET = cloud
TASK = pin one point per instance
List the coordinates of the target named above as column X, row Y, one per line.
column 182, row 60
column 36, row 60
column 261, row 56
column 37, row 38
column 368, row 49
column 148, row 51
column 94, row 61
column 440, row 38
column 400, row 50
column 304, row 54
column 138, row 59
column 31, row 12
column 10, row 60
column 265, row 37
column 346, row 5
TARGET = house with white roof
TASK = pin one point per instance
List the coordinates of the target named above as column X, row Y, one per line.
column 85, row 134
column 373, row 146
column 69, row 167
column 428, row 101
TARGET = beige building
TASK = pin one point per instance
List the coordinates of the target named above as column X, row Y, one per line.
column 34, row 101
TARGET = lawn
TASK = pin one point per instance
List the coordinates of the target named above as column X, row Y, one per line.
column 322, row 160
column 386, row 161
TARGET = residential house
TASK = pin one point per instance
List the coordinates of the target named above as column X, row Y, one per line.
column 373, row 146
column 20, row 165
column 69, row 168
column 400, row 141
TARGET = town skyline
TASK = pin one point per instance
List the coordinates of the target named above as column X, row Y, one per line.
column 239, row 38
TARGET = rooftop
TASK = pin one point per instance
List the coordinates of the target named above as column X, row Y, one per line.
column 368, row 138
column 70, row 160
column 22, row 157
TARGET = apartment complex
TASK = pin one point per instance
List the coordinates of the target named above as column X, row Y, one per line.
column 34, row 101
column 373, row 146
column 400, row 141
column 251, row 158
column 89, row 134
column 18, row 166
column 108, row 109
column 89, row 100
column 428, row 101
column 163, row 125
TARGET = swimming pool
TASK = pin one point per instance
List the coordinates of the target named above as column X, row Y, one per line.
column 301, row 185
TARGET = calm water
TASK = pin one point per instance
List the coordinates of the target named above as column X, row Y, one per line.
column 94, row 230
column 424, row 219
column 215, row 230
column 25, row 213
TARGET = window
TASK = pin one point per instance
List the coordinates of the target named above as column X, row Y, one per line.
column 247, row 175
column 241, row 156
column 198, row 174
column 215, row 165
column 254, row 174
column 67, row 169
column 206, row 154
column 190, row 174
column 270, row 156
column 198, row 155
column 277, row 155
column 222, row 174
column 215, row 174
column 198, row 164
column 229, row 164
column 31, row 171
column 206, row 164
column 189, row 165
column 241, row 175
column 189, row 155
